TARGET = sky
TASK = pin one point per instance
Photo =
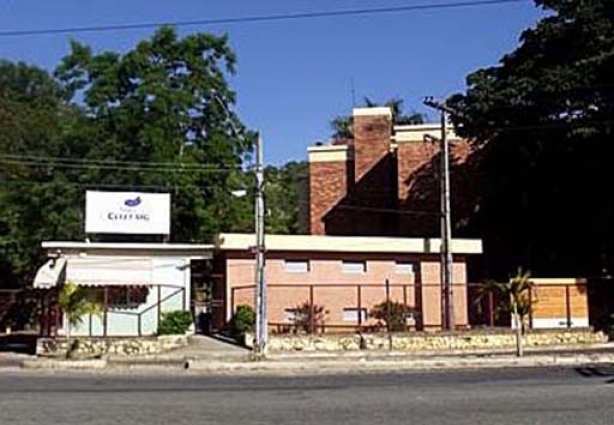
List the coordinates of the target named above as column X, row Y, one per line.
column 294, row 76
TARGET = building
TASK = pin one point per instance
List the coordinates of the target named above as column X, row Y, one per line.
column 346, row 276
column 134, row 283
column 385, row 181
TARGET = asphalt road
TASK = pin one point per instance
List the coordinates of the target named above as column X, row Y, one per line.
column 505, row 396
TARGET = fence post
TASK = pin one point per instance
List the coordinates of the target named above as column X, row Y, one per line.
column 159, row 305
column 311, row 311
column 140, row 325
column 359, row 305
column 491, row 309
column 530, row 308
column 388, row 314
column 105, row 304
column 568, row 306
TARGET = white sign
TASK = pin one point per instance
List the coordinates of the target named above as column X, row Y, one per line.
column 128, row 213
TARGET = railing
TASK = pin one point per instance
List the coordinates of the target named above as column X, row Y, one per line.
column 139, row 314
column 474, row 307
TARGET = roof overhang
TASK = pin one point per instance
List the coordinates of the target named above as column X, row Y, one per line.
column 348, row 244
column 191, row 251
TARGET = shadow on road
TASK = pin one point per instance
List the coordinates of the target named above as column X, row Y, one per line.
column 602, row 371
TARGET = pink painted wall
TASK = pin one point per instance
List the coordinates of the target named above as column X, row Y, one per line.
column 326, row 270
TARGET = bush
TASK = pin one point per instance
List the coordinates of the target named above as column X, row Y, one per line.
column 175, row 323
column 393, row 314
column 306, row 316
column 242, row 322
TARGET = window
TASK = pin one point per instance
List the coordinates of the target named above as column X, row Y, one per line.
column 404, row 268
column 296, row 266
column 354, row 266
column 291, row 315
column 350, row 314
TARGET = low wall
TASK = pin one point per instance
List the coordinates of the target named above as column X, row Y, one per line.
column 97, row 347
column 420, row 341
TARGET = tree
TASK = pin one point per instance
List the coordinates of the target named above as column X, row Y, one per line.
column 166, row 101
column 542, row 120
column 286, row 198
column 342, row 125
column 157, row 118
column 517, row 301
column 76, row 302
column 35, row 202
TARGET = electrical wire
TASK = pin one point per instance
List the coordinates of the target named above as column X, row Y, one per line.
column 113, row 162
column 260, row 18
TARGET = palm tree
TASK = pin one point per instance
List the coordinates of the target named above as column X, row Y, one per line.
column 76, row 303
column 518, row 301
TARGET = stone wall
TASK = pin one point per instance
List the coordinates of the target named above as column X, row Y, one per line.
column 98, row 347
column 458, row 341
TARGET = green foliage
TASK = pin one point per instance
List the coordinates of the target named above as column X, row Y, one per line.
column 287, row 198
column 543, row 120
column 515, row 294
column 392, row 314
column 166, row 101
column 242, row 322
column 77, row 303
column 342, row 125
column 175, row 322
column 309, row 318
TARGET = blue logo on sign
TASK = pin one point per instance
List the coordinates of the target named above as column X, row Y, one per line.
column 133, row 202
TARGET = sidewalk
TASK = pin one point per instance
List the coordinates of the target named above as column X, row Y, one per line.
column 350, row 362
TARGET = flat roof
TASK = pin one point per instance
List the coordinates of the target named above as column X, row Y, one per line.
column 358, row 244
column 192, row 250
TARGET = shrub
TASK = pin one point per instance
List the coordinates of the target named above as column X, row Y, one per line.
column 175, row 323
column 393, row 314
column 242, row 322
column 307, row 315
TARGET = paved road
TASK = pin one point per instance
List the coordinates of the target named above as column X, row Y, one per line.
column 511, row 396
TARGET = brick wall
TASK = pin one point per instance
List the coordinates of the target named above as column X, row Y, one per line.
column 328, row 183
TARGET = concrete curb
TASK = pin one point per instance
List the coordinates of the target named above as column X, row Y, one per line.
column 398, row 364
column 57, row 364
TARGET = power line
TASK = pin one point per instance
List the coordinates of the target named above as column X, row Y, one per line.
column 177, row 169
column 258, row 19
column 113, row 162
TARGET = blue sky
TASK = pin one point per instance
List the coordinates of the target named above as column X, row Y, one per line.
column 294, row 76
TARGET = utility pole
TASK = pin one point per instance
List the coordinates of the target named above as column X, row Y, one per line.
column 261, row 331
column 447, row 302
column 260, row 303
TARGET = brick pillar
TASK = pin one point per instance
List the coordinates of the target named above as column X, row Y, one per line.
column 374, row 193
column 329, row 174
column 372, row 133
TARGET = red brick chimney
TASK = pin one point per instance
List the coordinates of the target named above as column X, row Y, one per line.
column 372, row 133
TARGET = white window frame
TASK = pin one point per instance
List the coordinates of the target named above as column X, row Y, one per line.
column 346, row 266
column 306, row 263
column 354, row 314
column 405, row 267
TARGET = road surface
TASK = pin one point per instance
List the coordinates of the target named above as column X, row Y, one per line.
column 505, row 396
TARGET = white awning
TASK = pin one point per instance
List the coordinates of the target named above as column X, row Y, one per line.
column 51, row 273
column 108, row 271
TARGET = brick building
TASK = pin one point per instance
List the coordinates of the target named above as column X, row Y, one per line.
column 385, row 181
column 347, row 276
